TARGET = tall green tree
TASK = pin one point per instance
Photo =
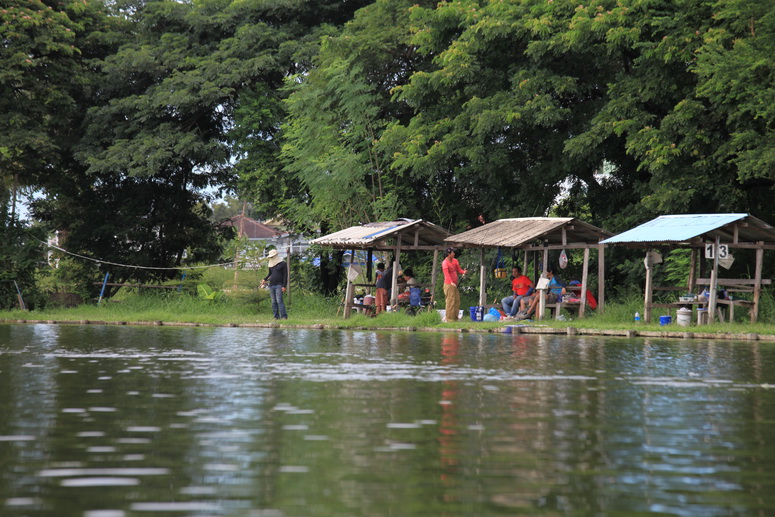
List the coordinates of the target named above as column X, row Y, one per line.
column 737, row 82
column 260, row 113
column 337, row 113
column 45, row 45
column 622, row 105
column 45, row 88
column 157, row 142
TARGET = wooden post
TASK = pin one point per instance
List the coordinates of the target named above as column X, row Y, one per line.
column 394, row 283
column 541, row 304
column 535, row 266
column 600, row 278
column 757, row 286
column 369, row 263
column 693, row 271
column 542, row 293
column 348, row 297
column 482, row 279
column 713, row 286
column 649, row 293
column 434, row 271
column 584, row 274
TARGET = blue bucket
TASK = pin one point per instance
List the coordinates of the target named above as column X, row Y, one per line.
column 476, row 313
column 665, row 320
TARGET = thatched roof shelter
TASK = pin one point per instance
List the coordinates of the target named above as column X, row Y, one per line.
column 406, row 234
column 396, row 236
column 537, row 234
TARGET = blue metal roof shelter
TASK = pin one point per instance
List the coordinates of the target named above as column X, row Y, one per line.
column 709, row 231
column 675, row 228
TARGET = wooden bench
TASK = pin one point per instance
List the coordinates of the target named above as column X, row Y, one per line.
column 731, row 285
column 559, row 306
column 735, row 285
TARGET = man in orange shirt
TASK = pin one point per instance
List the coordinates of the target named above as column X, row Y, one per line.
column 451, row 267
column 520, row 286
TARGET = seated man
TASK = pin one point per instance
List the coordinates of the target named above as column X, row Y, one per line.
column 412, row 294
column 521, row 287
column 555, row 292
column 406, row 281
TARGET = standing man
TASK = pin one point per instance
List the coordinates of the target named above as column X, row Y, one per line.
column 278, row 280
column 520, row 287
column 451, row 268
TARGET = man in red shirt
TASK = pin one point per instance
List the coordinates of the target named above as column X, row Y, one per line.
column 520, row 286
column 451, row 267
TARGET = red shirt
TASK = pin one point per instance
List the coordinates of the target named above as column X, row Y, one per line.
column 521, row 285
column 451, row 267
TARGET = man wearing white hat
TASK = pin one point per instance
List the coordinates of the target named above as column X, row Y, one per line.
column 278, row 280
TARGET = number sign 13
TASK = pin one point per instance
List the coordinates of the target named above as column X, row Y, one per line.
column 710, row 249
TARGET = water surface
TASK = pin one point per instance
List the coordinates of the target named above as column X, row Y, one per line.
column 108, row 421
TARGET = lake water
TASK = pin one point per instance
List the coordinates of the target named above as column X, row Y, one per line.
column 108, row 421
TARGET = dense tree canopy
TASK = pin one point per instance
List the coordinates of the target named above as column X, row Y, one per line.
column 130, row 115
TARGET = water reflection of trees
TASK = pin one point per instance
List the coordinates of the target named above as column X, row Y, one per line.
column 369, row 423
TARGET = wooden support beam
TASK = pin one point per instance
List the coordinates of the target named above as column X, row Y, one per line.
column 394, row 282
column 757, row 287
column 434, row 271
column 584, row 279
column 648, row 297
column 600, row 278
column 482, row 279
column 713, row 284
column 348, row 293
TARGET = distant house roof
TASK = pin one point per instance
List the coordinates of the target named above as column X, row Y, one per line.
column 251, row 228
column 413, row 233
column 525, row 231
column 694, row 228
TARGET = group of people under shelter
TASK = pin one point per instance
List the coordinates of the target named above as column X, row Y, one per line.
column 406, row 284
column 521, row 304
column 524, row 300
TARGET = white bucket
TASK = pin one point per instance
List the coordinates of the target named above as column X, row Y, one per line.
column 684, row 317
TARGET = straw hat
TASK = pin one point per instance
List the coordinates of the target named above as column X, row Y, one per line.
column 273, row 258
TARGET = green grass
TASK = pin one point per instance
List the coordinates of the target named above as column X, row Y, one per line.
column 253, row 306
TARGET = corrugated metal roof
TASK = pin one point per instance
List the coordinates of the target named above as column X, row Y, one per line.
column 518, row 232
column 372, row 234
column 671, row 229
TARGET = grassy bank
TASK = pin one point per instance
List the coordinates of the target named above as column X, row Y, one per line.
column 252, row 307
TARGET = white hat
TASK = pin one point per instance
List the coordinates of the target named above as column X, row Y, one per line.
column 273, row 258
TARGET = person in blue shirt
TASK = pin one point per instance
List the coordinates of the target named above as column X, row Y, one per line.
column 554, row 294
